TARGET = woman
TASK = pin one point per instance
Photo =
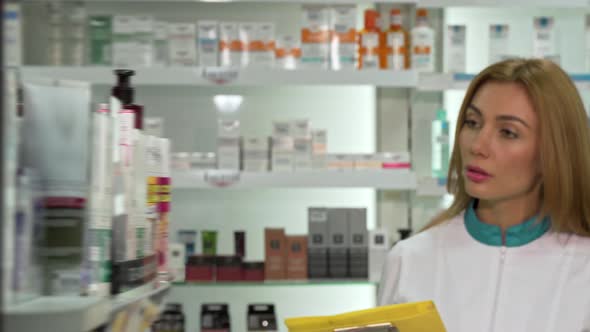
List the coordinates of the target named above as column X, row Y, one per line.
column 512, row 253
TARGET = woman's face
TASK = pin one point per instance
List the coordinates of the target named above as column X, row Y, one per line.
column 499, row 143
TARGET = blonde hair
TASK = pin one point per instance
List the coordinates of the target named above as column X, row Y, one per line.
column 564, row 145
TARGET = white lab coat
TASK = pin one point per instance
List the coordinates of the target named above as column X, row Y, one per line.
column 540, row 286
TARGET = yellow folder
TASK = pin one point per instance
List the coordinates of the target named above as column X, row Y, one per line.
column 407, row 317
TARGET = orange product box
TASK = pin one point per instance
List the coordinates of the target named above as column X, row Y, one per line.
column 315, row 37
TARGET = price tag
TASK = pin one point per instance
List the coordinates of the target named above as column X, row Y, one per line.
column 222, row 178
column 220, row 75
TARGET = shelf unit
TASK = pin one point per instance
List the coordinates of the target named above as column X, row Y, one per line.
column 386, row 179
column 78, row 313
column 460, row 81
column 197, row 76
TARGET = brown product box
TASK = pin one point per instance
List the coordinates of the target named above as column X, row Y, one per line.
column 297, row 257
column 275, row 254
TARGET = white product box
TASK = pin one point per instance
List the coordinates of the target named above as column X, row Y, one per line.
column 153, row 126
column 282, row 129
column 395, row 160
column 207, row 43
column 301, row 128
column 228, row 145
column 498, row 42
column 315, row 37
column 288, row 52
column 319, row 141
column 255, row 154
column 203, row 161
column 368, row 162
column 12, row 43
column 303, row 154
column 176, row 261
column 261, row 46
column 144, row 39
column 545, row 39
column 344, row 43
column 161, row 53
column 282, row 154
column 455, row 49
column 230, row 46
column 181, row 161
column 340, row 161
column 124, row 44
column 181, row 44
column 246, row 32
column 379, row 246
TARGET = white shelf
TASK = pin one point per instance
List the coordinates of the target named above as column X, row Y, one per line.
column 305, row 299
column 194, row 76
column 385, row 179
column 460, row 81
column 76, row 313
column 504, row 3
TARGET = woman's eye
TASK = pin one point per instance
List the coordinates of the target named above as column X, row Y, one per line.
column 470, row 123
column 508, row 133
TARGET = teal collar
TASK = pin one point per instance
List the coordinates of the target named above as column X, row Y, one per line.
column 516, row 236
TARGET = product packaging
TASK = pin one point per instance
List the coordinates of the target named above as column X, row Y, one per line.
column 338, row 242
column 240, row 244
column 228, row 268
column 12, row 42
column 161, row 49
column 181, row 45
column 261, row 317
column 207, row 43
column 256, row 154
column 456, row 49
column 100, row 218
column 358, row 259
column 315, row 37
column 209, row 241
column 230, row 46
column 545, row 39
column 288, row 52
column 397, row 42
column 371, row 42
column 261, row 47
column 177, row 261
column 189, row 239
column 253, row 271
column 275, row 254
column 200, row 268
column 440, row 145
column 317, row 242
column 228, row 145
column 423, row 43
column 62, row 160
column 76, row 34
column 344, row 37
column 215, row 318
column 100, row 31
column 498, row 42
column 297, row 257
column 124, row 46
column 379, row 245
